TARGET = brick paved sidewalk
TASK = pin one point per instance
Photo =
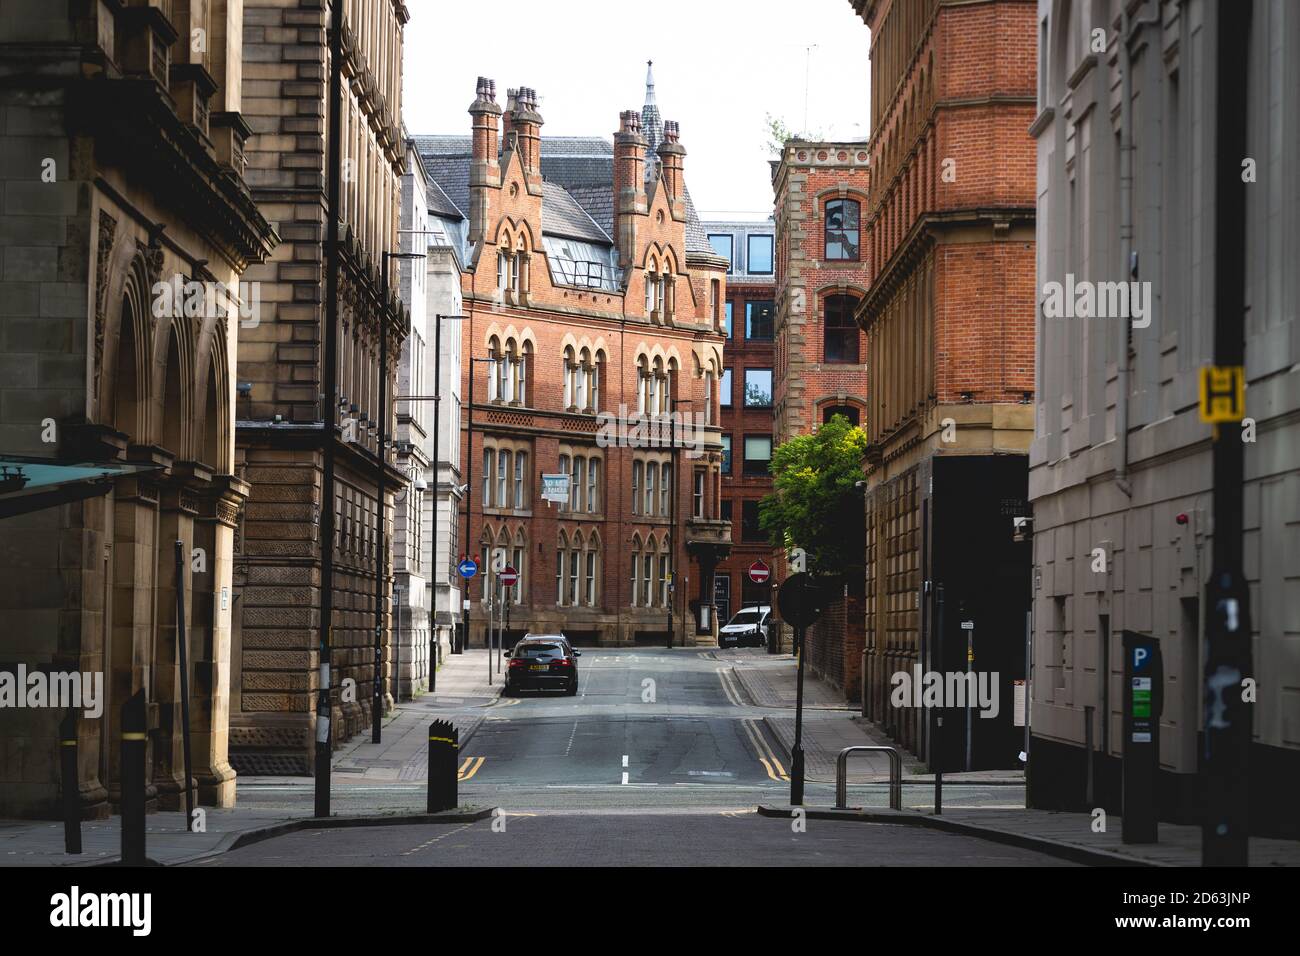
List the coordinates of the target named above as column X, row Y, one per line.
column 830, row 725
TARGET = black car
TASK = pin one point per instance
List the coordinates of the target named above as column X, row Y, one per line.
column 542, row 662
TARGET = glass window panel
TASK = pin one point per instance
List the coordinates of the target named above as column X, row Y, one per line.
column 758, row 320
column 722, row 245
column 725, row 398
column 842, row 230
column 758, row 454
column 759, row 259
column 758, row 387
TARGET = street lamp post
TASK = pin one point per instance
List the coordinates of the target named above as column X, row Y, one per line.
column 381, row 572
column 334, row 162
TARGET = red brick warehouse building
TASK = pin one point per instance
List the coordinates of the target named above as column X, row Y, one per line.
column 590, row 288
column 823, row 273
column 749, row 369
column 949, row 318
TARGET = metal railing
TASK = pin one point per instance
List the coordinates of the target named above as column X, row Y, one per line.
column 895, row 776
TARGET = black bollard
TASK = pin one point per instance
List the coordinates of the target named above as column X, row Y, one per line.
column 443, row 748
column 71, row 783
column 133, row 770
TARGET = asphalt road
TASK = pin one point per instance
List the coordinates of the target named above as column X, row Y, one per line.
column 657, row 761
column 729, row 838
column 649, row 729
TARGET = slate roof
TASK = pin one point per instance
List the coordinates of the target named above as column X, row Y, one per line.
column 563, row 216
column 577, row 195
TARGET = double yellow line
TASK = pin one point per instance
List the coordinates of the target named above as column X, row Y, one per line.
column 469, row 767
column 765, row 754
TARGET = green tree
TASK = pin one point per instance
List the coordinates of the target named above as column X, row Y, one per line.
column 814, row 503
column 778, row 134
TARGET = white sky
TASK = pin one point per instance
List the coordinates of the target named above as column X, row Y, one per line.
column 719, row 65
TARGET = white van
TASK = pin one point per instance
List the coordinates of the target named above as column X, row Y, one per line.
column 748, row 626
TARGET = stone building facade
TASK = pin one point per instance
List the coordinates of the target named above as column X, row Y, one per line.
column 280, row 431
column 949, row 228
column 1128, row 469
column 126, row 218
column 591, row 295
column 426, row 586
column 823, row 273
column 745, row 400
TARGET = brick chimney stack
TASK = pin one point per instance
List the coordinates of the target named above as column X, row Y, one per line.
column 670, row 157
column 629, row 183
column 484, row 170
column 526, row 124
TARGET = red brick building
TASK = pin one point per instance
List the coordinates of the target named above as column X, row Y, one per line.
column 823, row 273
column 590, row 292
column 949, row 317
column 745, row 398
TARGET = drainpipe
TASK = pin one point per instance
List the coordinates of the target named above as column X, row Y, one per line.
column 1126, row 149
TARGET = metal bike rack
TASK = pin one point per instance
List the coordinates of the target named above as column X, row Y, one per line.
column 895, row 776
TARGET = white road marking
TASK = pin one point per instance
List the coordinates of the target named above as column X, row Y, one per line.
column 625, row 778
column 624, row 760
column 572, row 733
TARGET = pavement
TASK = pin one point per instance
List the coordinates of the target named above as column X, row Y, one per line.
column 769, row 681
column 270, row 804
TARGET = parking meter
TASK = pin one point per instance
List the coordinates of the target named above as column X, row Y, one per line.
column 1143, row 703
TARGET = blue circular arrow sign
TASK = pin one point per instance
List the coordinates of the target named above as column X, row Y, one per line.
column 467, row 568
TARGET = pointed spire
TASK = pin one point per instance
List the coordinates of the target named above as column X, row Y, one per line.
column 652, row 127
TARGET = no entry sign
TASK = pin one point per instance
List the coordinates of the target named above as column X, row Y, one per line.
column 509, row 576
column 758, row 572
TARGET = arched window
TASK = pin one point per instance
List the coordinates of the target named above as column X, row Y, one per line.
column 517, row 562
column 643, row 386
column 564, row 470
column 494, row 375
column 665, row 487
column 842, row 230
column 568, row 377
column 561, row 549
column 575, row 561
column 647, row 572
column 488, row 459
column 521, row 472
column 503, row 477
column 652, row 404
column 839, row 329
column 580, row 394
column 651, row 281
column 649, row 507
column 593, row 485
column 664, row 574
column 596, row 371
column 636, row 564
column 636, row 487
column 577, row 470
column 592, row 569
